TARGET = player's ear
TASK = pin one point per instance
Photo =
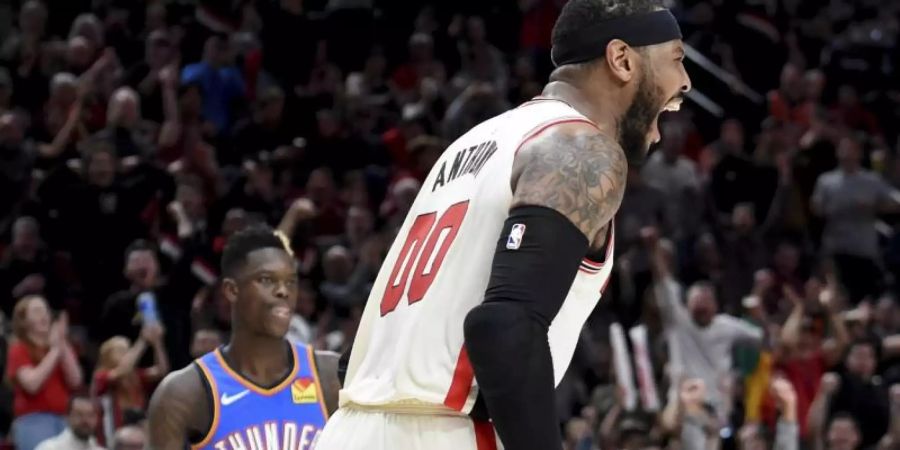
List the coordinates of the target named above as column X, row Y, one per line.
column 230, row 290
column 622, row 60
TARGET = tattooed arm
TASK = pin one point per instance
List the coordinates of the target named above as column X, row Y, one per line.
column 576, row 171
column 179, row 411
column 567, row 184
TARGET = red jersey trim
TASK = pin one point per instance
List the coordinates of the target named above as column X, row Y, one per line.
column 610, row 242
column 484, row 435
column 536, row 131
column 541, row 98
column 461, row 385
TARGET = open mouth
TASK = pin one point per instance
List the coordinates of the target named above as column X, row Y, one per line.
column 673, row 105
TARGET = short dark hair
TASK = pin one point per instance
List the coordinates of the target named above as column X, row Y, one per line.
column 243, row 242
column 133, row 417
column 705, row 285
column 90, row 148
column 843, row 415
column 76, row 397
column 579, row 14
column 870, row 341
column 140, row 245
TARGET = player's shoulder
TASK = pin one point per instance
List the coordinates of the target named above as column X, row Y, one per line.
column 178, row 409
column 184, row 383
column 574, row 168
column 574, row 147
column 578, row 135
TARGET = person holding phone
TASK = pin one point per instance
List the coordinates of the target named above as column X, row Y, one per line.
column 126, row 312
column 152, row 298
column 119, row 384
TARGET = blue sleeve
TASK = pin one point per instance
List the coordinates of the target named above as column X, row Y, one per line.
column 191, row 74
column 235, row 83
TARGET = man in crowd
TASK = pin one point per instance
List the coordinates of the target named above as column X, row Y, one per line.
column 81, row 424
column 700, row 339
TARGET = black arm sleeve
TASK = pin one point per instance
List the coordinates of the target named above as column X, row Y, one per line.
column 506, row 336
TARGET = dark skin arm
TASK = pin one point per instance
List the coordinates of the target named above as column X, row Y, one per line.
column 179, row 410
column 327, row 368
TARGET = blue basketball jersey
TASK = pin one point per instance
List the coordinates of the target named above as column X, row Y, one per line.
column 247, row 417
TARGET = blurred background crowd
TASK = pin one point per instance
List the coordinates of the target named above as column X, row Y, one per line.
column 757, row 248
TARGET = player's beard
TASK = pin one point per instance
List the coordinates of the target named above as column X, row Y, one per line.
column 635, row 124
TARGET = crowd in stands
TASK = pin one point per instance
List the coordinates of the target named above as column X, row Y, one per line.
column 758, row 259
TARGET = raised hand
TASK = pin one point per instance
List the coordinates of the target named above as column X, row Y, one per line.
column 784, row 392
column 649, row 236
column 176, row 210
column 59, row 330
column 763, row 281
column 302, row 209
column 792, row 295
column 152, row 333
column 830, row 383
column 692, row 394
column 168, row 76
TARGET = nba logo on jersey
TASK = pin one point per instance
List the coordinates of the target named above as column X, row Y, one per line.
column 515, row 236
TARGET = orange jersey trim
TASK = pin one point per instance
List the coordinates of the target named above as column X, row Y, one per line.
column 214, row 390
column 251, row 385
column 315, row 372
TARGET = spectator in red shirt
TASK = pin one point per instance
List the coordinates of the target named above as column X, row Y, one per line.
column 122, row 386
column 851, row 111
column 396, row 140
column 420, row 65
column 43, row 370
column 806, row 353
column 784, row 102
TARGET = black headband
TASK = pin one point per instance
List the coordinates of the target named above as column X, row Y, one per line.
column 637, row 31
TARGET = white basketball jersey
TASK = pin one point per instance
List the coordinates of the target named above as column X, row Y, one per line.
column 408, row 352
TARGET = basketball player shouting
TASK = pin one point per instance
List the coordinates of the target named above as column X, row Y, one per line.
column 457, row 315
column 259, row 391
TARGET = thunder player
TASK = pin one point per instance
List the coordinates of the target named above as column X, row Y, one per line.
column 506, row 250
column 259, row 391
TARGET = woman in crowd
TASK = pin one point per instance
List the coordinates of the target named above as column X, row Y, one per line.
column 43, row 370
column 120, row 385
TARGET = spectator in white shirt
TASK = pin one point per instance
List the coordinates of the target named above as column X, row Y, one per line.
column 81, row 427
column 700, row 340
